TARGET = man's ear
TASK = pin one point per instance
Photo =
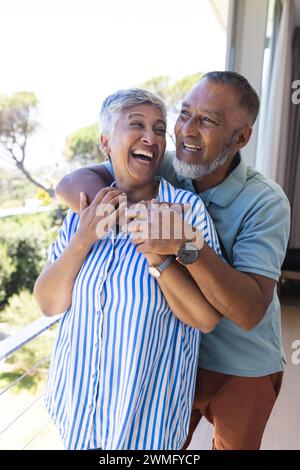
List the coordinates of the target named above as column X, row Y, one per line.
column 104, row 144
column 243, row 137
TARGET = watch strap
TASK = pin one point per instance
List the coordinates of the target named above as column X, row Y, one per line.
column 165, row 264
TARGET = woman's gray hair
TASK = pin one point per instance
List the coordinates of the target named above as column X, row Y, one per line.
column 114, row 104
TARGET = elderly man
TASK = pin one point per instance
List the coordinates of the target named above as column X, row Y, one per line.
column 241, row 362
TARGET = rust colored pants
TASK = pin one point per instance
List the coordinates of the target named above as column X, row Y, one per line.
column 237, row 407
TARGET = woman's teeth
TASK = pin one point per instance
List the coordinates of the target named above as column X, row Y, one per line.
column 142, row 155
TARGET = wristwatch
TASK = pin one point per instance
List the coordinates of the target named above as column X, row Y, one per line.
column 156, row 271
column 188, row 253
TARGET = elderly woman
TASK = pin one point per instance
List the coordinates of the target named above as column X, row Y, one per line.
column 122, row 374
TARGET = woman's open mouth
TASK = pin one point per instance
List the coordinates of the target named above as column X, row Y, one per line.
column 143, row 156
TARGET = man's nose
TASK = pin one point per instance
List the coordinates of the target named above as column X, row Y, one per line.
column 190, row 128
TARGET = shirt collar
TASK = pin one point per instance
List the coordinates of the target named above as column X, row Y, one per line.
column 227, row 191
column 157, row 177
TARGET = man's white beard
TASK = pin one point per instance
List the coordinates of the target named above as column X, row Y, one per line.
column 197, row 170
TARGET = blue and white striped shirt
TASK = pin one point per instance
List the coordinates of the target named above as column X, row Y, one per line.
column 122, row 373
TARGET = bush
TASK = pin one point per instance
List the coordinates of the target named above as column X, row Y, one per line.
column 20, row 310
column 7, row 267
column 24, row 241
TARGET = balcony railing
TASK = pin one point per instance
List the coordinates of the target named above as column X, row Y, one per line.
column 8, row 347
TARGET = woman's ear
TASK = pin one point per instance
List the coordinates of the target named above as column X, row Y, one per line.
column 104, row 144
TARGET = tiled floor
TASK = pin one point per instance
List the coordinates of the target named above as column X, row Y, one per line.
column 283, row 429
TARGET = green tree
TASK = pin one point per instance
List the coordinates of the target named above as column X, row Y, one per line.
column 172, row 92
column 83, row 145
column 17, row 124
column 158, row 85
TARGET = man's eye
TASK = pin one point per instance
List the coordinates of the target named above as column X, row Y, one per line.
column 161, row 130
column 207, row 120
column 184, row 112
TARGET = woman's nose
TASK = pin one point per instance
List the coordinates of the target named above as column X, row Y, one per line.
column 148, row 137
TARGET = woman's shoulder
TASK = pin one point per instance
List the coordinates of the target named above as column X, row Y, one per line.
column 71, row 217
column 70, row 223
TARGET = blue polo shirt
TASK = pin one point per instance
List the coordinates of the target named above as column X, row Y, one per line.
column 252, row 217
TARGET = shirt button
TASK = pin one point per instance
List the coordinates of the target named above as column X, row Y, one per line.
column 94, row 376
column 91, row 407
column 96, row 345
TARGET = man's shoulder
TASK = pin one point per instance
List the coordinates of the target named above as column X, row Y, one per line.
column 260, row 185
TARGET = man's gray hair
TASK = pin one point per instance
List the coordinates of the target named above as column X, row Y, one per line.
column 249, row 99
column 114, row 104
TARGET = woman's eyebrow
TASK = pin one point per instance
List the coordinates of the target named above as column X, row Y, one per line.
column 136, row 114
column 162, row 122
column 143, row 115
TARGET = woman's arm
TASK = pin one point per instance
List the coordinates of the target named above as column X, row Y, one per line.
column 54, row 286
column 88, row 180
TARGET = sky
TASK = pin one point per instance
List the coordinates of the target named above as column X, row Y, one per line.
column 73, row 53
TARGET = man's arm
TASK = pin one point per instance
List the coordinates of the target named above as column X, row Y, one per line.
column 241, row 293
column 241, row 297
column 92, row 178
column 183, row 296
column 186, row 300
column 88, row 180
column 182, row 293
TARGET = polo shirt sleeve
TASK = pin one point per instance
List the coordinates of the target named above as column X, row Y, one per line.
column 261, row 243
column 64, row 236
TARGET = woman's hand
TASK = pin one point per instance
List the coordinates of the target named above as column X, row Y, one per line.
column 97, row 218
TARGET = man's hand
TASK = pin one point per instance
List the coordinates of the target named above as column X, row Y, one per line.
column 160, row 228
column 97, row 218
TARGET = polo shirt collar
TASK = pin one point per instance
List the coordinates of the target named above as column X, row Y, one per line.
column 227, row 191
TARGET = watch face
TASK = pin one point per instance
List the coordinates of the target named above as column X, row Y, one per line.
column 188, row 256
column 154, row 271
